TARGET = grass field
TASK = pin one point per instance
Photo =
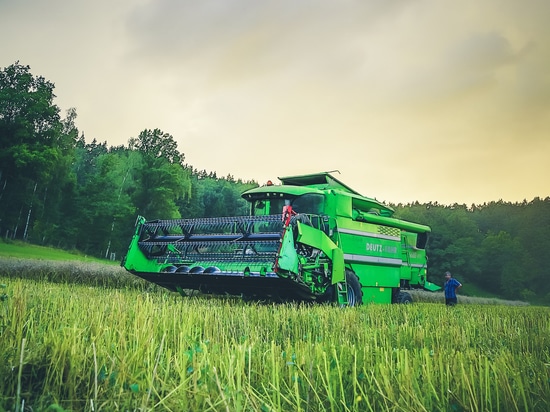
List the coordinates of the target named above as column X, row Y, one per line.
column 70, row 346
column 21, row 250
column 87, row 336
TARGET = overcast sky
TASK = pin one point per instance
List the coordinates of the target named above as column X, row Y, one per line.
column 428, row 100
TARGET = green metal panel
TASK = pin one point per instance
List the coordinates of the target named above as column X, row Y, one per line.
column 288, row 258
column 376, row 295
column 343, row 206
column 323, row 181
column 406, row 272
column 431, row 287
column 279, row 191
column 319, row 240
column 388, row 221
column 135, row 260
column 376, row 275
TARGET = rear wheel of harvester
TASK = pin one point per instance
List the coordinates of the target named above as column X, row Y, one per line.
column 404, row 298
column 355, row 294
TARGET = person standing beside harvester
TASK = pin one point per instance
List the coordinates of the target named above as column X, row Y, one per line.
column 451, row 286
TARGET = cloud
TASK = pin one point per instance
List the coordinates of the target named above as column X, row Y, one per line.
column 249, row 38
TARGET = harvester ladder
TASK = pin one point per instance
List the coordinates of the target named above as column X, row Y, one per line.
column 342, row 293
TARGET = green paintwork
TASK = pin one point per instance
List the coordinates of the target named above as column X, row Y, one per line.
column 317, row 239
column 135, row 259
column 288, row 260
column 333, row 229
column 431, row 286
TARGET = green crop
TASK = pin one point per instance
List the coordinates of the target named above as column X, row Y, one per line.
column 81, row 348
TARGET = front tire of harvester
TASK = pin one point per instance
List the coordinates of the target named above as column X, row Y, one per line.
column 355, row 293
column 404, row 298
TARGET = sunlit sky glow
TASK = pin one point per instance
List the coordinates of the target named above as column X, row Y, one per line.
column 410, row 100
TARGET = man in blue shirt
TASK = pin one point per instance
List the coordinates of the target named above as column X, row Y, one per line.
column 451, row 285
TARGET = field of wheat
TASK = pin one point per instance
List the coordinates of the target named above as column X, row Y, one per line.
column 81, row 347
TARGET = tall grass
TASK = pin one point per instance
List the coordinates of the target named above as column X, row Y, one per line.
column 108, row 275
column 71, row 271
column 439, row 297
column 88, row 348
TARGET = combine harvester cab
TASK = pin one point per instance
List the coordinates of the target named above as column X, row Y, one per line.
column 311, row 238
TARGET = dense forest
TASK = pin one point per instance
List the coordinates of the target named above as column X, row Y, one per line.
column 58, row 188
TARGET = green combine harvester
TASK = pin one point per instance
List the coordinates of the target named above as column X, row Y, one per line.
column 312, row 238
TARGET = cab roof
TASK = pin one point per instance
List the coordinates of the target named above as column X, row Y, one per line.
column 323, row 181
column 317, row 183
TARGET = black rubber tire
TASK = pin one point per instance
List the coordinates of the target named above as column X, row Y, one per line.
column 404, row 298
column 355, row 293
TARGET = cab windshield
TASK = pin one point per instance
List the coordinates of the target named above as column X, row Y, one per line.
column 308, row 203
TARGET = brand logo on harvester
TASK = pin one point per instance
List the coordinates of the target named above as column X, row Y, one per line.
column 372, row 247
column 378, row 248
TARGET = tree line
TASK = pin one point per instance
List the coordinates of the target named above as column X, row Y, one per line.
column 499, row 246
column 58, row 189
